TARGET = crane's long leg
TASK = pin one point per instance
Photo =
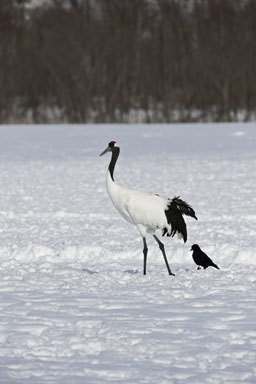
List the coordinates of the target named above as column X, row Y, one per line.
column 161, row 246
column 145, row 252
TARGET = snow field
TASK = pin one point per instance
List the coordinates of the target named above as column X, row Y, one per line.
column 74, row 305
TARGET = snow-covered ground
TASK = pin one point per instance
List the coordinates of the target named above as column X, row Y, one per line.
column 74, row 305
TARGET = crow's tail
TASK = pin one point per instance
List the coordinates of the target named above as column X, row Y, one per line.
column 215, row 266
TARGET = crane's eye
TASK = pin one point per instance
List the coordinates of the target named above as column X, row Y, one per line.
column 112, row 144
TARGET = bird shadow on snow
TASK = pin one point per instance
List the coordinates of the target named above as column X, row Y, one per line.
column 179, row 270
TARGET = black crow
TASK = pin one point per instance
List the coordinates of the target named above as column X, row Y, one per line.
column 201, row 259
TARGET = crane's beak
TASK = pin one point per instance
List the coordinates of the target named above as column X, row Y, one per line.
column 106, row 151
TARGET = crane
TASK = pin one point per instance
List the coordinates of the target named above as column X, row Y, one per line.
column 149, row 212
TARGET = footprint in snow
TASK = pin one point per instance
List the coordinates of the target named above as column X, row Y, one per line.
column 89, row 271
column 131, row 272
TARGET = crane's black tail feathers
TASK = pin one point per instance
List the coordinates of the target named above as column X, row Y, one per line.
column 184, row 207
column 176, row 208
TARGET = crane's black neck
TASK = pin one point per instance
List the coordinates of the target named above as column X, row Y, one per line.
column 111, row 167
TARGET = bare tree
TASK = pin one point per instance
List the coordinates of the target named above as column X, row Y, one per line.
column 105, row 60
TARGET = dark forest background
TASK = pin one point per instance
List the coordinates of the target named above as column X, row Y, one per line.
column 80, row 61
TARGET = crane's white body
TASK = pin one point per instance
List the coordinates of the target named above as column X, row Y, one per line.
column 143, row 209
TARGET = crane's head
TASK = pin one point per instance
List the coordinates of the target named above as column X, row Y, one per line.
column 110, row 148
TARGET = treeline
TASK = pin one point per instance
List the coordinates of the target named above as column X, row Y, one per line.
column 127, row 60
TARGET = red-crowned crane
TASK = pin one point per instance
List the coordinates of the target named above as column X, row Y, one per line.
column 149, row 212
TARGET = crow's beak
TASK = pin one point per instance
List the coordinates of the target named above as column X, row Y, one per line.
column 106, row 151
column 191, row 249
